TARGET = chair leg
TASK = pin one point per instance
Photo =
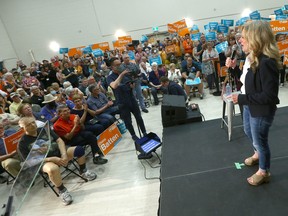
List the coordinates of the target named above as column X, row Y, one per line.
column 49, row 184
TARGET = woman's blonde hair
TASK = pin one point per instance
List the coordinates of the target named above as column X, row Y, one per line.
column 261, row 40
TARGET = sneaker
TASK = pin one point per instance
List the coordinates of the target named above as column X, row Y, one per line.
column 66, row 197
column 99, row 160
column 90, row 176
column 281, row 85
column 144, row 156
column 145, row 110
column 201, row 96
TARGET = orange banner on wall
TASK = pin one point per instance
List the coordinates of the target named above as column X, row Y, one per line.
column 279, row 26
column 103, row 46
column 282, row 46
column 109, row 138
column 11, row 142
column 76, row 50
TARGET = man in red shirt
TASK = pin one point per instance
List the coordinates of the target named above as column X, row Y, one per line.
column 71, row 130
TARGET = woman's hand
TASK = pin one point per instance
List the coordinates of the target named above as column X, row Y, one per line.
column 231, row 63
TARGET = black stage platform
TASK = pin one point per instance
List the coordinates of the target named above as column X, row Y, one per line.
column 199, row 177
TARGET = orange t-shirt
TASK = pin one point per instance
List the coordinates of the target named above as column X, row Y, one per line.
column 62, row 127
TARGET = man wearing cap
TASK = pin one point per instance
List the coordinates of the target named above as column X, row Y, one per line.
column 154, row 81
column 15, row 104
column 49, row 110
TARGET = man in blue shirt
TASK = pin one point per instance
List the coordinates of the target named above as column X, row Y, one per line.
column 122, row 86
column 98, row 102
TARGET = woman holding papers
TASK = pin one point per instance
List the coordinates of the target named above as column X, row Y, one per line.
column 259, row 93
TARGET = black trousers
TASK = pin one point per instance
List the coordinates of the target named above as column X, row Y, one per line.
column 125, row 114
column 84, row 138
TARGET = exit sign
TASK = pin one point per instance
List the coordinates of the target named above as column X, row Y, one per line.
column 155, row 29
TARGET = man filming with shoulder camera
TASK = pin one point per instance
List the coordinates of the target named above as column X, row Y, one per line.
column 135, row 74
column 122, row 84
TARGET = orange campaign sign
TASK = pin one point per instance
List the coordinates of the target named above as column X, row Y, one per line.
column 11, row 142
column 285, row 62
column 170, row 49
column 124, row 40
column 116, row 45
column 103, row 46
column 279, row 26
column 76, row 50
column 172, row 28
column 180, row 24
column 282, row 46
column 183, row 32
column 109, row 138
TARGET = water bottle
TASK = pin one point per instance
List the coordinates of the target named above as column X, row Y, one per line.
column 228, row 90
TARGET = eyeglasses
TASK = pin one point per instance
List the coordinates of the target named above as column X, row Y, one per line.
column 186, row 56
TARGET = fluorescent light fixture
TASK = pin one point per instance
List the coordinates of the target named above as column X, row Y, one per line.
column 54, row 46
column 120, row 33
column 189, row 22
column 246, row 12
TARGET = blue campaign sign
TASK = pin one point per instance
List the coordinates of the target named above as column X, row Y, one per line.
column 278, row 12
column 131, row 55
column 266, row 19
column 227, row 22
column 157, row 59
column 255, row 16
column 206, row 27
column 223, row 29
column 213, row 26
column 87, row 50
column 194, row 28
column 285, row 7
column 221, row 47
column 195, row 37
column 243, row 20
column 210, row 36
column 97, row 53
column 237, row 23
column 63, row 50
column 144, row 38
column 281, row 17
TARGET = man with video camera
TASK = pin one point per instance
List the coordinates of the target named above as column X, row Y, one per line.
column 122, row 84
column 135, row 75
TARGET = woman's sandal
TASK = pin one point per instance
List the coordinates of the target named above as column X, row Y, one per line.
column 256, row 180
column 251, row 161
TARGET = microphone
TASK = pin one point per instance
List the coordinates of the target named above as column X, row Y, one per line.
column 233, row 53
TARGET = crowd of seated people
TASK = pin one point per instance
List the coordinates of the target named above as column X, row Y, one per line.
column 73, row 95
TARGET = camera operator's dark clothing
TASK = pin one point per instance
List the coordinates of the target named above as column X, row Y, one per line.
column 175, row 89
column 127, row 103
